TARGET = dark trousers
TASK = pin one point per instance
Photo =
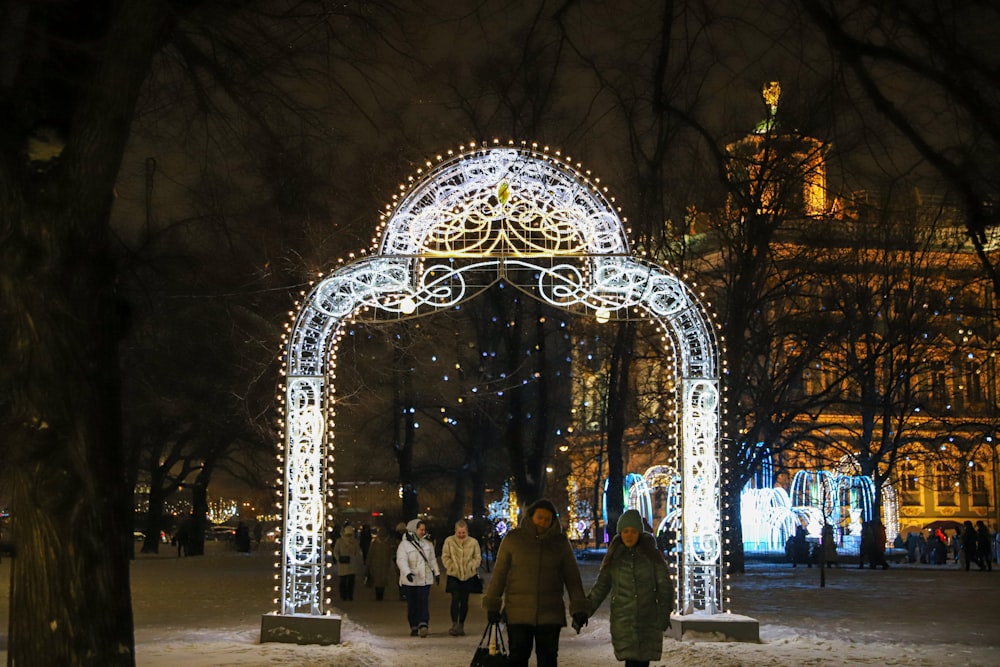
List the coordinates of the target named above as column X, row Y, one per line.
column 459, row 599
column 545, row 639
column 345, row 583
column 417, row 605
column 637, row 663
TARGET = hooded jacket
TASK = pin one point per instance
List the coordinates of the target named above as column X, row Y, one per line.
column 532, row 569
column 416, row 556
column 642, row 597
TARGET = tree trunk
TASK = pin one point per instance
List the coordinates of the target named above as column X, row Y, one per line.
column 733, row 528
column 618, row 383
column 154, row 513
column 77, row 82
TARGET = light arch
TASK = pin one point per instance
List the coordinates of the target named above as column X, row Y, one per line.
column 476, row 216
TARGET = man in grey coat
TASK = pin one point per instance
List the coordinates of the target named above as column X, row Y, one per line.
column 534, row 564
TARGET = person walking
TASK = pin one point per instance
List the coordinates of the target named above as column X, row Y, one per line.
column 181, row 537
column 642, row 595
column 829, row 547
column 380, row 565
column 969, row 540
column 461, row 557
column 534, row 564
column 347, row 555
column 418, row 569
column 984, row 547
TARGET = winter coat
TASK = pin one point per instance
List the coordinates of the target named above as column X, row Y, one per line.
column 381, row 565
column 530, row 573
column 461, row 558
column 409, row 561
column 347, row 546
column 642, row 598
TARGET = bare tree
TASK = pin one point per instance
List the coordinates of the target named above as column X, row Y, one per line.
column 929, row 69
column 71, row 77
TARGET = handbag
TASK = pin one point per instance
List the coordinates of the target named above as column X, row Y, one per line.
column 476, row 584
column 492, row 649
column 345, row 559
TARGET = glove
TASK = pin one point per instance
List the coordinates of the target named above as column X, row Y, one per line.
column 579, row 620
column 437, row 579
column 409, row 577
column 494, row 616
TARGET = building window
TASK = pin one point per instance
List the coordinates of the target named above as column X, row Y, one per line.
column 944, row 484
column 939, row 386
column 910, row 483
column 973, row 382
column 980, row 498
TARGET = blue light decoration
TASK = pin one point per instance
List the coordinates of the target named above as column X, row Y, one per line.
column 465, row 221
column 842, row 497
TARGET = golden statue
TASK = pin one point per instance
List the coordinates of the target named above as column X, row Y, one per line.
column 771, row 93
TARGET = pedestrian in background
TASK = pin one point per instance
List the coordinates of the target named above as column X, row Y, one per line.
column 984, row 547
column 461, row 557
column 380, row 565
column 642, row 595
column 969, row 540
column 418, row 569
column 350, row 561
column 534, row 564
column 241, row 538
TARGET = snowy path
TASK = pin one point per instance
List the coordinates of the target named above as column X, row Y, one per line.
column 205, row 612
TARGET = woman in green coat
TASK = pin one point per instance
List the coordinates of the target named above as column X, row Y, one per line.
column 642, row 595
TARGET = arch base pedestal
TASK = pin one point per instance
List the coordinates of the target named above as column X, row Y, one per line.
column 714, row 628
column 300, row 629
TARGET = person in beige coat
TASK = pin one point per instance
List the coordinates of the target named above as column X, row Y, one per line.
column 461, row 557
column 350, row 561
column 534, row 564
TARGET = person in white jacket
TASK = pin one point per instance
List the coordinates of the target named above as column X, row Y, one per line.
column 418, row 569
column 461, row 557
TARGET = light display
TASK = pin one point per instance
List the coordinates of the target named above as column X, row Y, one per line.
column 843, row 498
column 483, row 214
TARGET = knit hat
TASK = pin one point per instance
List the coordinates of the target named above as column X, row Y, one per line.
column 543, row 504
column 348, row 531
column 411, row 527
column 630, row 519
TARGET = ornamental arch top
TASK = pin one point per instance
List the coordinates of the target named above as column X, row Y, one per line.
column 479, row 215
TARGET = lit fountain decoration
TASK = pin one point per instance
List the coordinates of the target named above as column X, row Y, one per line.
column 483, row 214
column 844, row 498
column 638, row 496
column 766, row 513
column 635, row 495
column 849, row 500
column 668, row 479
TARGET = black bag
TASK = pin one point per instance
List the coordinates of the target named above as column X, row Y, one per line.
column 476, row 584
column 344, row 559
column 492, row 640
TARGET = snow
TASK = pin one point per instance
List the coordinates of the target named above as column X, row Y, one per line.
column 205, row 612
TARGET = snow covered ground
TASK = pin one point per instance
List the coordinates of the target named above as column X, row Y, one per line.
column 205, row 612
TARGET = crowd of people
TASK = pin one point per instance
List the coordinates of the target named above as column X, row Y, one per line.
column 969, row 544
column 534, row 569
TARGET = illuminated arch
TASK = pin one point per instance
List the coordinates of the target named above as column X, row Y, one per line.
column 474, row 217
